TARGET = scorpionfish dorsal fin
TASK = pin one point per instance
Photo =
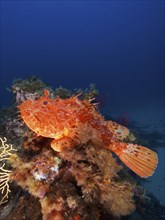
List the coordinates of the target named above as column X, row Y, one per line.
column 46, row 93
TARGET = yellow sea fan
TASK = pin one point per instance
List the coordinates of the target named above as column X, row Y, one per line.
column 6, row 150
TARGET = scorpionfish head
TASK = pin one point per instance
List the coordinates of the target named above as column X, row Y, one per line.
column 44, row 116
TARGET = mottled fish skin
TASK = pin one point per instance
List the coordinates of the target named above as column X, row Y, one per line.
column 70, row 122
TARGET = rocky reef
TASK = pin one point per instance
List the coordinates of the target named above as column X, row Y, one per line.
column 86, row 182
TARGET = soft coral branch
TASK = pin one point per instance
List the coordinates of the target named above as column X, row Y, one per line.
column 4, row 184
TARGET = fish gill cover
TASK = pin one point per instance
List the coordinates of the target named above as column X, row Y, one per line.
column 59, row 150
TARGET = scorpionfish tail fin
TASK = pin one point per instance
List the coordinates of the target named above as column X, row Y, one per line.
column 139, row 159
column 119, row 132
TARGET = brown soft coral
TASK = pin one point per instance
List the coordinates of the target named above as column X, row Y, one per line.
column 104, row 160
column 63, row 202
column 117, row 198
column 37, row 174
column 52, row 208
column 96, row 172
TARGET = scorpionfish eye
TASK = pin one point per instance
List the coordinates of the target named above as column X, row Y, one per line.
column 45, row 103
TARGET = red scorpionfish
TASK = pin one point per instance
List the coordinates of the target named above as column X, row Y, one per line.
column 72, row 122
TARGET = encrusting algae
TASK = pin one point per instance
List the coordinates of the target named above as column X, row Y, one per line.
column 66, row 160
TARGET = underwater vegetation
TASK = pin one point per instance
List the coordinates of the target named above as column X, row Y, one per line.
column 56, row 158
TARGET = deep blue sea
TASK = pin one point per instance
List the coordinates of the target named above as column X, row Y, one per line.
column 118, row 45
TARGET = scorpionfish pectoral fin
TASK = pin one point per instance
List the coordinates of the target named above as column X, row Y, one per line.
column 139, row 159
column 62, row 144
